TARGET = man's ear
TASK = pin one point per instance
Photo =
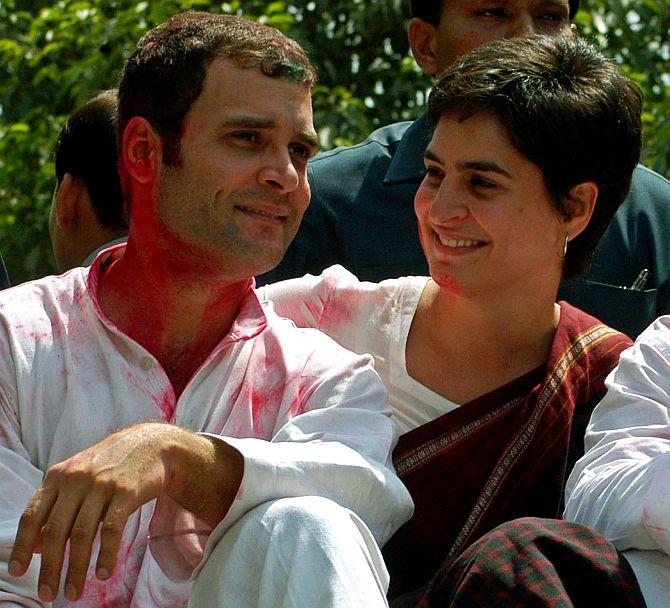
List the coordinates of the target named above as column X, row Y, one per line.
column 67, row 201
column 421, row 36
column 579, row 206
column 574, row 31
column 141, row 150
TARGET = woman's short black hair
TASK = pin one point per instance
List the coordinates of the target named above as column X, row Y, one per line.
column 566, row 108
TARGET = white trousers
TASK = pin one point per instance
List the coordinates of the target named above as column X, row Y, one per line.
column 652, row 570
column 305, row 552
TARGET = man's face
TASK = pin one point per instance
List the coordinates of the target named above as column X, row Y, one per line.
column 240, row 191
column 468, row 24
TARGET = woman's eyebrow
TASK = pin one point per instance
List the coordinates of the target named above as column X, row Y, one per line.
column 483, row 165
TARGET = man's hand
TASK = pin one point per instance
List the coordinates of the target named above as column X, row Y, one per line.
column 103, row 485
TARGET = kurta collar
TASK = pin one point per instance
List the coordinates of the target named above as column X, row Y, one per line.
column 407, row 162
column 250, row 321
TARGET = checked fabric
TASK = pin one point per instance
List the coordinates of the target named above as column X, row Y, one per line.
column 533, row 563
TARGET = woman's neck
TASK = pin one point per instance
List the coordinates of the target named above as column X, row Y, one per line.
column 463, row 347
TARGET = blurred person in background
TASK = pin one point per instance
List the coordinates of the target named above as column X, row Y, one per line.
column 87, row 213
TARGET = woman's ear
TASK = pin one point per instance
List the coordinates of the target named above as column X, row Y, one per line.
column 421, row 36
column 141, row 150
column 579, row 206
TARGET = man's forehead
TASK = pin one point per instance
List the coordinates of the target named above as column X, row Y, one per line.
column 226, row 78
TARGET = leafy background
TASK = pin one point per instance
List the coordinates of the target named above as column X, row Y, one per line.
column 54, row 56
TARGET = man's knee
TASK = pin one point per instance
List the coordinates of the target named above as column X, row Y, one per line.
column 305, row 516
column 282, row 548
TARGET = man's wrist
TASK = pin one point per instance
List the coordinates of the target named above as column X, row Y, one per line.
column 205, row 474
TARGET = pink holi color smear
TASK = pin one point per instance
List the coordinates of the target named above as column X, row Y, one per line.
column 297, row 405
column 110, row 593
column 448, row 282
column 646, row 517
column 166, row 402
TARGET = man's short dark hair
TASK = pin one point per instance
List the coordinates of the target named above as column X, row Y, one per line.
column 87, row 149
column 165, row 73
column 566, row 108
column 431, row 10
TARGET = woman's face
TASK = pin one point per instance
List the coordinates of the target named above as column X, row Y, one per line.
column 486, row 220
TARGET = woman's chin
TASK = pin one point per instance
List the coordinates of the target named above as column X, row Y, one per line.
column 448, row 282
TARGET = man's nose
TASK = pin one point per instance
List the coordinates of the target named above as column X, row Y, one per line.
column 279, row 172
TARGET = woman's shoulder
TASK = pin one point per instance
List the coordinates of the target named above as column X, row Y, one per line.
column 588, row 342
column 576, row 321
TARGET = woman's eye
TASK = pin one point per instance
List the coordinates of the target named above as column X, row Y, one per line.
column 433, row 173
column 480, row 182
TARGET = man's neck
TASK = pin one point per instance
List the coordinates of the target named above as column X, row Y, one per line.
column 175, row 316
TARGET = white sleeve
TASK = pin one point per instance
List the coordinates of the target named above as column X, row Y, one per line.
column 339, row 448
column 18, row 481
column 305, row 299
column 621, row 486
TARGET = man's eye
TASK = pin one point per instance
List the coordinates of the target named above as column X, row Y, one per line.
column 248, row 136
column 302, row 152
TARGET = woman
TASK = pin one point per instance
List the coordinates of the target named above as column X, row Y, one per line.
column 533, row 148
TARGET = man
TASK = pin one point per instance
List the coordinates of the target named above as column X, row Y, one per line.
column 87, row 207
column 283, row 501
column 620, row 485
column 366, row 222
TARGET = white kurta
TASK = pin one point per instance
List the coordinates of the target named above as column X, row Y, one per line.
column 370, row 318
column 621, row 486
column 309, row 418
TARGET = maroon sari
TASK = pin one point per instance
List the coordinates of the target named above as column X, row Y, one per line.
column 502, row 456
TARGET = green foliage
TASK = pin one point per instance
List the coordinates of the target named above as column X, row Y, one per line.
column 636, row 34
column 54, row 56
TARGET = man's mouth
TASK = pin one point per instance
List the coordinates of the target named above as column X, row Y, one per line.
column 262, row 213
